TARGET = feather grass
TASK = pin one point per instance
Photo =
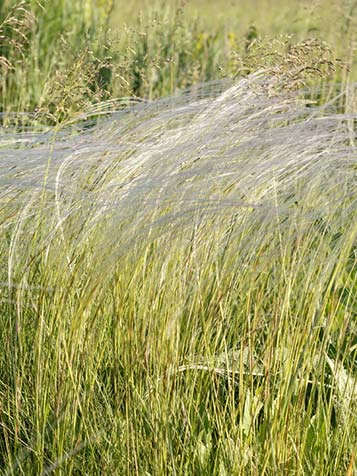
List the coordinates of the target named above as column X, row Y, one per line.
column 178, row 287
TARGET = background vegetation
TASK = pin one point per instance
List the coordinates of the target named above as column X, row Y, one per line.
column 59, row 56
column 178, row 279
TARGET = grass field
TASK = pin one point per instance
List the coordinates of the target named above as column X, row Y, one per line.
column 178, row 238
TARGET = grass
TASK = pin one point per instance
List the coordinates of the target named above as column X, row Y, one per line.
column 157, row 53
column 178, row 275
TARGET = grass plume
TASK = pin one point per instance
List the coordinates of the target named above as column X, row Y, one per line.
column 178, row 287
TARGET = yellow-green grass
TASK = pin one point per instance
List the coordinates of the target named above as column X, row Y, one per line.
column 178, row 289
column 178, row 278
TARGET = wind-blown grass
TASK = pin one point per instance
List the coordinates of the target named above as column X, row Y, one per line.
column 178, row 287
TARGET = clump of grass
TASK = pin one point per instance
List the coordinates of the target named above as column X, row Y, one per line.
column 52, row 54
column 295, row 63
column 15, row 28
column 179, row 288
column 163, row 53
column 84, row 81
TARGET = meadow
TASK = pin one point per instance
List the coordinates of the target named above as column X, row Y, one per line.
column 178, row 247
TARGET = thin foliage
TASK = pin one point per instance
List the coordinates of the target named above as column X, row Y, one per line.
column 178, row 286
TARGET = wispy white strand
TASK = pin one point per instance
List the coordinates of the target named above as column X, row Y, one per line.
column 211, row 152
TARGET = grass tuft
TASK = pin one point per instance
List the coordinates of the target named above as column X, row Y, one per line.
column 178, row 287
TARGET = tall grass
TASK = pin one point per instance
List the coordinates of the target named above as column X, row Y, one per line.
column 58, row 57
column 178, row 287
column 178, row 275
column 53, row 56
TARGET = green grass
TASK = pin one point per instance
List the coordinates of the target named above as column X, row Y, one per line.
column 59, row 57
column 178, row 280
